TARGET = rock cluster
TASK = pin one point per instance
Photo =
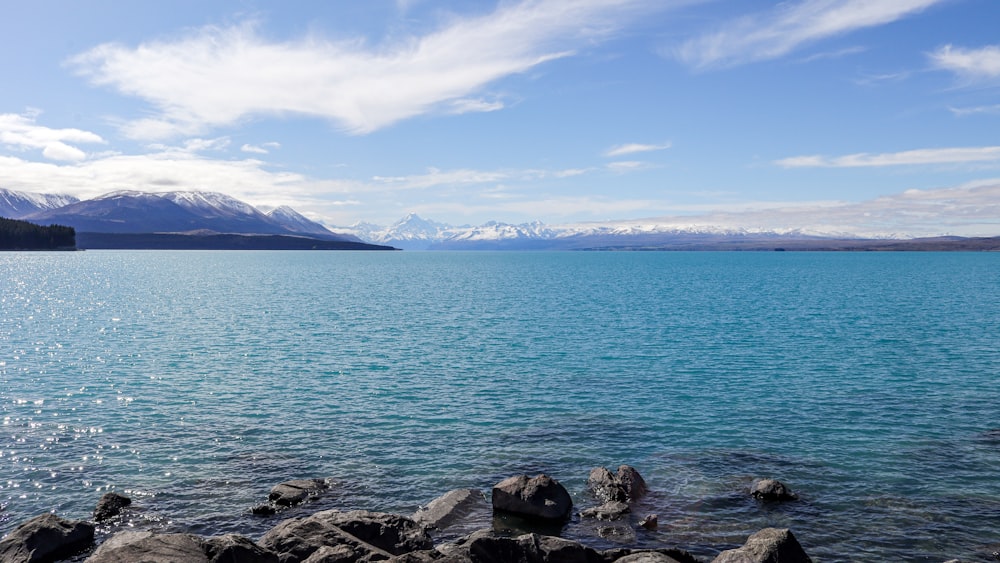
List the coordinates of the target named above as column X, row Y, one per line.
column 334, row 536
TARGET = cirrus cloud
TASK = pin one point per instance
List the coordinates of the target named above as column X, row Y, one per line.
column 958, row 155
column 218, row 76
column 789, row 26
column 972, row 64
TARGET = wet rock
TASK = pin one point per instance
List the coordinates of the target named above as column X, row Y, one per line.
column 180, row 548
column 534, row 497
column 626, row 485
column 611, row 510
column 296, row 491
column 650, row 522
column 770, row 545
column 647, row 557
column 623, row 534
column 486, row 546
column 109, row 506
column 46, row 537
column 452, row 508
column 371, row 535
column 263, row 510
column 631, row 482
column 232, row 548
column 771, row 490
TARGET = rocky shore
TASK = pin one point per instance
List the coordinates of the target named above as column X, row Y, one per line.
column 532, row 510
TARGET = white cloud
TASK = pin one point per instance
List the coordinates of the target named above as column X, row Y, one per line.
column 622, row 166
column 435, row 177
column 470, row 105
column 789, row 26
column 972, row 64
column 264, row 148
column 968, row 210
column 254, row 149
column 632, row 148
column 169, row 169
column 20, row 132
column 913, row 157
column 218, row 76
column 988, row 110
column 61, row 151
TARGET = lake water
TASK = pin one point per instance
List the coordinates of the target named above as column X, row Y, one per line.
column 194, row 381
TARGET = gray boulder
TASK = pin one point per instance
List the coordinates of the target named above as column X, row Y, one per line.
column 771, row 490
column 370, row 535
column 625, row 485
column 110, row 505
column 453, row 508
column 46, row 537
column 770, row 545
column 533, row 497
column 296, row 491
column 180, row 548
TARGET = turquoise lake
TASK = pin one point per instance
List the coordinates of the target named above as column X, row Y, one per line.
column 194, row 381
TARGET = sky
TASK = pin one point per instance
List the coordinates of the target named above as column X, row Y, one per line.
column 877, row 115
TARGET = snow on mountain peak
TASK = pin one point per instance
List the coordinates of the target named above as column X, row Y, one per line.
column 15, row 205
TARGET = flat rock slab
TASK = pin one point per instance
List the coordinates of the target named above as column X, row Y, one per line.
column 179, row 548
column 296, row 491
column 371, row 536
column 454, row 508
column 46, row 537
column 611, row 510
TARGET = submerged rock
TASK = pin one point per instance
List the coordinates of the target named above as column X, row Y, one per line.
column 110, row 505
column 771, row 490
column 533, row 497
column 453, row 508
column 296, row 491
column 44, row 538
column 770, row 545
column 611, row 510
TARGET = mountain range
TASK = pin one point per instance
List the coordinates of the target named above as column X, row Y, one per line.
column 117, row 219
column 178, row 212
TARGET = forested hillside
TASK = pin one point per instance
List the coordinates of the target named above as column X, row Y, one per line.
column 22, row 235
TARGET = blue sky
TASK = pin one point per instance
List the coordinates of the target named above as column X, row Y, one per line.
column 878, row 115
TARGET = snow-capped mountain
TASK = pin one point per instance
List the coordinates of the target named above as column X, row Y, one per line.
column 415, row 233
column 411, row 232
column 298, row 223
column 16, row 205
column 178, row 212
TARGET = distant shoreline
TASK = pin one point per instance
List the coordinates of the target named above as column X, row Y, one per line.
column 169, row 241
